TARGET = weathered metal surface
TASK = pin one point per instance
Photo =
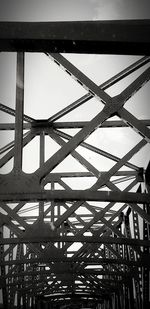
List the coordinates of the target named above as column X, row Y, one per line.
column 106, row 37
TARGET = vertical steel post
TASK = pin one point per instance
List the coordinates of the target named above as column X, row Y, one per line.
column 58, row 214
column 18, row 256
column 3, row 273
column 52, row 203
column 19, row 113
column 42, row 159
column 10, row 279
column 146, row 274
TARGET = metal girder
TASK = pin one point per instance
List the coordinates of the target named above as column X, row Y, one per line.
column 103, row 86
column 12, row 112
column 135, row 124
column 27, row 138
column 43, row 125
column 147, row 177
column 76, row 272
column 87, row 261
column 77, row 195
column 83, row 239
column 3, row 273
column 98, row 91
column 19, row 113
column 112, row 37
column 92, row 148
column 102, row 180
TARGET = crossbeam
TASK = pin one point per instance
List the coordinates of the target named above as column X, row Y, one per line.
column 45, row 125
column 77, row 195
column 70, row 239
column 109, row 37
column 87, row 261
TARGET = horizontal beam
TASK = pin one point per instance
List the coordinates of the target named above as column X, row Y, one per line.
column 77, row 195
column 63, row 271
column 39, row 126
column 78, row 299
column 57, row 175
column 83, row 239
column 43, row 260
column 104, row 37
column 74, row 297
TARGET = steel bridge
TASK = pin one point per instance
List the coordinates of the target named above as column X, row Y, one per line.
column 42, row 265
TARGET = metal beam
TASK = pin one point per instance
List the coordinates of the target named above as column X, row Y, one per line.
column 56, row 176
column 96, row 150
column 62, row 153
column 109, row 37
column 103, row 86
column 77, row 195
column 45, row 125
column 12, row 112
column 27, row 138
column 19, row 113
column 87, row 261
column 92, row 88
column 104, row 178
column 72, row 239
column 81, row 78
column 134, row 123
column 63, row 271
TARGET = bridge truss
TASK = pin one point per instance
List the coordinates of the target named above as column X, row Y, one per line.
column 82, row 247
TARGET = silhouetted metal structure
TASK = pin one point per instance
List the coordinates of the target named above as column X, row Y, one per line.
column 111, row 268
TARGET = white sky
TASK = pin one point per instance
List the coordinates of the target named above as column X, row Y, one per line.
column 52, row 10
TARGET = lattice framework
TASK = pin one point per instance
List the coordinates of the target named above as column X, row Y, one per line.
column 111, row 267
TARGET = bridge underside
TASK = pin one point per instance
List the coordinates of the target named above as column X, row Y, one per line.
column 74, row 232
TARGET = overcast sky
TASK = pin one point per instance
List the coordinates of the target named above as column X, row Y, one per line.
column 48, row 10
